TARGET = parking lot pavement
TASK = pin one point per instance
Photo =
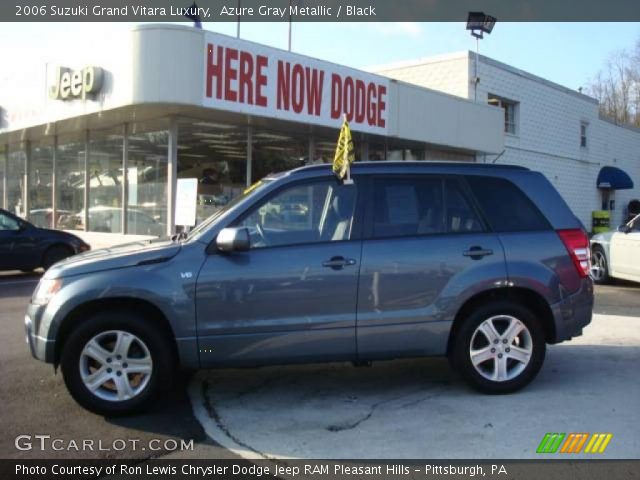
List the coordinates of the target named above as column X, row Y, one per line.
column 34, row 401
column 420, row 409
column 619, row 298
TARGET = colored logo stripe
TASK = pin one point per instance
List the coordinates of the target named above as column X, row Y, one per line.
column 574, row 442
column 550, row 443
column 598, row 443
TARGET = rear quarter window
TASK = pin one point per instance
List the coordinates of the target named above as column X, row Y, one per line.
column 505, row 206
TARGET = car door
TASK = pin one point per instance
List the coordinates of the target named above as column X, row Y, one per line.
column 625, row 252
column 424, row 247
column 292, row 296
column 634, row 246
column 18, row 244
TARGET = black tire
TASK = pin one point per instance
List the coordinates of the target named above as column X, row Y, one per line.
column 599, row 259
column 460, row 355
column 159, row 346
column 54, row 254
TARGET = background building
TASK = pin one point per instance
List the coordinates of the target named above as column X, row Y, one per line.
column 547, row 127
column 96, row 144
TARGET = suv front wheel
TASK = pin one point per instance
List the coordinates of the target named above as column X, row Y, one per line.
column 499, row 348
column 114, row 364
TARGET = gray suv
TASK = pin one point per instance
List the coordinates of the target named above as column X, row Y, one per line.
column 484, row 264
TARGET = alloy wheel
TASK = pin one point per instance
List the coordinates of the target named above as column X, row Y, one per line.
column 501, row 348
column 598, row 266
column 115, row 365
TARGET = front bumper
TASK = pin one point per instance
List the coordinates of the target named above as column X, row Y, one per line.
column 41, row 347
column 573, row 313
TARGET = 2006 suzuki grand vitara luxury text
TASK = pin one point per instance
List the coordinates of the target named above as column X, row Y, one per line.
column 485, row 264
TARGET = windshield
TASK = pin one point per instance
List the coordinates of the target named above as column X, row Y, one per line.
column 201, row 227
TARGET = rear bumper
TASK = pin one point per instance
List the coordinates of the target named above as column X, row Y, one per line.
column 41, row 347
column 573, row 313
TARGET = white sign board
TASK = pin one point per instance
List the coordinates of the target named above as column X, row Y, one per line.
column 186, row 201
column 132, row 178
column 254, row 79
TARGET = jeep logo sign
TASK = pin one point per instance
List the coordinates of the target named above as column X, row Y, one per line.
column 70, row 84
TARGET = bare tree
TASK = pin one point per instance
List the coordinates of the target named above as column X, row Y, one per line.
column 617, row 87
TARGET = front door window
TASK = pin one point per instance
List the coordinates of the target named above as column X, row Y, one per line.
column 303, row 214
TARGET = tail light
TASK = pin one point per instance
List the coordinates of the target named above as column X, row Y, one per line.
column 577, row 244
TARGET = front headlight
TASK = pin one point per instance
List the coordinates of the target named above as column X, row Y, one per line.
column 45, row 291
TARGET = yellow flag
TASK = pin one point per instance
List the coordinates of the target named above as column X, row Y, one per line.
column 344, row 151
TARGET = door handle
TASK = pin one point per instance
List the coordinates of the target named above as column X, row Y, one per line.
column 336, row 263
column 476, row 253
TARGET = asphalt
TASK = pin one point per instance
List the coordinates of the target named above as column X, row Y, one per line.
column 619, row 298
column 35, row 402
column 420, row 408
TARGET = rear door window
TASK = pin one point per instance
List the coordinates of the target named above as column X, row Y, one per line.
column 405, row 207
column 505, row 206
column 460, row 215
column 422, row 205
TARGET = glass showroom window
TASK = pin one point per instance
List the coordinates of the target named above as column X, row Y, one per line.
column 41, row 183
column 105, row 181
column 3, row 163
column 147, row 179
column 70, row 177
column 275, row 151
column 215, row 153
column 377, row 148
column 325, row 146
column 399, row 149
column 16, row 164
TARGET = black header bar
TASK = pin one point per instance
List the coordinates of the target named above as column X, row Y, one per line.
column 319, row 10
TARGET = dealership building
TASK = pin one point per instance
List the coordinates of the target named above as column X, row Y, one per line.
column 97, row 144
column 594, row 163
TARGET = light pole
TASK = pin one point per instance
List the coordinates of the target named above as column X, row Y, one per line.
column 479, row 24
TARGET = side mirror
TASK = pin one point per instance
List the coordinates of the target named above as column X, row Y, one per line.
column 624, row 228
column 233, row 240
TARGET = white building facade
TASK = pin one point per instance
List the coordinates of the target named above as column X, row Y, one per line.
column 547, row 127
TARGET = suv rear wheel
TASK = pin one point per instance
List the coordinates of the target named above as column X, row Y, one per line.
column 499, row 348
column 115, row 363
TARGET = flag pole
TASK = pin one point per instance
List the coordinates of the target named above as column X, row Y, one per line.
column 348, row 180
column 238, row 17
column 290, row 25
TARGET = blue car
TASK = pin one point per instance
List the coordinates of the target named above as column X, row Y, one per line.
column 25, row 247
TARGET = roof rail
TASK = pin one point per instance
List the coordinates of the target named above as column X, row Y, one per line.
column 412, row 164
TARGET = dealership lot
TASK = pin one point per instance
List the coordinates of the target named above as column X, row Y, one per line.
column 420, row 409
column 403, row 409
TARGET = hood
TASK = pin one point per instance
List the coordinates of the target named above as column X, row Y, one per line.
column 120, row 256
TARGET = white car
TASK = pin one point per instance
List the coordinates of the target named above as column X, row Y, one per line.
column 616, row 254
